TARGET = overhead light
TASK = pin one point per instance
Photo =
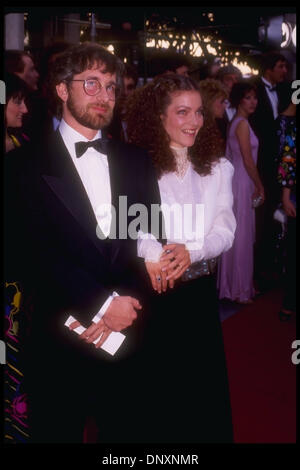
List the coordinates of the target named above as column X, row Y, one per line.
column 211, row 49
column 244, row 68
column 150, row 43
column 165, row 44
column 111, row 48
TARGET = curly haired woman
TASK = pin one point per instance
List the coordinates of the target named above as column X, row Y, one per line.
column 214, row 96
column 187, row 371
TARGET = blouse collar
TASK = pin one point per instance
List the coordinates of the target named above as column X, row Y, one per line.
column 181, row 159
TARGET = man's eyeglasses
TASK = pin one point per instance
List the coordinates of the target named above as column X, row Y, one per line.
column 92, row 87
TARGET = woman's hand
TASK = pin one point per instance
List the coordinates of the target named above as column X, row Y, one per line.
column 287, row 204
column 289, row 208
column 157, row 277
column 175, row 260
column 259, row 192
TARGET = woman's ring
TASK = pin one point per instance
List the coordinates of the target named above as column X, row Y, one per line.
column 158, row 278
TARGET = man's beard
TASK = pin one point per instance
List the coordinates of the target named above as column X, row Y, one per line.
column 91, row 120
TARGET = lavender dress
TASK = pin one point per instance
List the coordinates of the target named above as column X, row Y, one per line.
column 235, row 274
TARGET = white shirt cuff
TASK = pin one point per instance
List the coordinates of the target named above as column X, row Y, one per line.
column 104, row 307
column 153, row 253
column 148, row 247
column 195, row 250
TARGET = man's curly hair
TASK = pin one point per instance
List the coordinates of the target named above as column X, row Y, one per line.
column 145, row 128
column 75, row 60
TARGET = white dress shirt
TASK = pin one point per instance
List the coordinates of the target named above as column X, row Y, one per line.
column 93, row 170
column 230, row 111
column 273, row 97
column 214, row 194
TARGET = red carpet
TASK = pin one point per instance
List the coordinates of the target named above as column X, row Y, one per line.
column 262, row 376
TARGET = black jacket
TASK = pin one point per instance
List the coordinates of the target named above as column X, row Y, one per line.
column 263, row 123
column 51, row 244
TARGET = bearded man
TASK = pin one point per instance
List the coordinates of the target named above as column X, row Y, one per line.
column 59, row 244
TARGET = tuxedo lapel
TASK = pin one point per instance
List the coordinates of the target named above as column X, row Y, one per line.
column 115, row 174
column 61, row 176
column 265, row 100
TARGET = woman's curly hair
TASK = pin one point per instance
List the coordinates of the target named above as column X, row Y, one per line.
column 145, row 129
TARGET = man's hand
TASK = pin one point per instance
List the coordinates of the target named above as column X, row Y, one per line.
column 121, row 313
column 93, row 332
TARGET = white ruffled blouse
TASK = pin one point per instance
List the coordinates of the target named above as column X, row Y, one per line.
column 197, row 211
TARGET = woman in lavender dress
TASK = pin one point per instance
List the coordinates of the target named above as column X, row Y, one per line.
column 235, row 275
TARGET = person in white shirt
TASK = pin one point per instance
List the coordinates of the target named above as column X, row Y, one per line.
column 65, row 244
column 188, row 380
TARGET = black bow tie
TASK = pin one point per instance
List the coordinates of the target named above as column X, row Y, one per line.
column 99, row 144
column 271, row 88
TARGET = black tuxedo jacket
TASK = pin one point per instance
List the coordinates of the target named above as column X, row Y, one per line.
column 51, row 243
column 263, row 123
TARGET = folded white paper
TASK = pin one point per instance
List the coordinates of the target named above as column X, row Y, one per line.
column 110, row 345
